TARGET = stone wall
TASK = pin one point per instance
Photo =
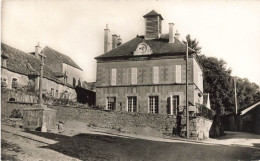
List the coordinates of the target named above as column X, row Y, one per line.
column 134, row 123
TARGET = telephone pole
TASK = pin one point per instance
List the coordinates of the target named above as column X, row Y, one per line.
column 187, row 108
column 235, row 85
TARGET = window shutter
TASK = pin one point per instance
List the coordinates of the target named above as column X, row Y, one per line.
column 171, row 104
column 178, row 73
column 113, row 77
column 155, row 74
column 134, row 75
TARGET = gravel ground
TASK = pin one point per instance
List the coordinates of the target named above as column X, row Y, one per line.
column 84, row 145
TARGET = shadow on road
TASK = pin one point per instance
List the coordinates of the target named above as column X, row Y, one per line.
column 104, row 147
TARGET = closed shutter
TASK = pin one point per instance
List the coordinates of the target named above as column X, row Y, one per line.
column 134, row 75
column 113, row 77
column 156, row 75
column 178, row 73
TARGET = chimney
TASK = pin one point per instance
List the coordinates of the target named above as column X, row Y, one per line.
column 114, row 41
column 171, row 34
column 119, row 40
column 37, row 50
column 107, row 44
column 177, row 35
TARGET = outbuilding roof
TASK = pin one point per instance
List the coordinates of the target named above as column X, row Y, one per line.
column 64, row 58
column 26, row 64
column 250, row 107
column 159, row 46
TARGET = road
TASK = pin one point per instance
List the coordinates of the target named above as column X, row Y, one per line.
column 91, row 145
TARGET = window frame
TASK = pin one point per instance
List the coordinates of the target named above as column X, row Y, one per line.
column 133, row 100
column 109, row 104
column 17, row 80
column 155, row 104
column 172, row 110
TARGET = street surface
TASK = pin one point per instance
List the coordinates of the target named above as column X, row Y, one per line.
column 96, row 144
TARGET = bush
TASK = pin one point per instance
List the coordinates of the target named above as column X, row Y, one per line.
column 203, row 111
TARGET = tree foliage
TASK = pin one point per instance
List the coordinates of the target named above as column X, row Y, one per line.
column 219, row 83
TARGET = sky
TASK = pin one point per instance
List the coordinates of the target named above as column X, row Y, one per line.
column 225, row 29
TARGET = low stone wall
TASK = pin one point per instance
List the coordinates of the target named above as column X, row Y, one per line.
column 201, row 127
column 135, row 123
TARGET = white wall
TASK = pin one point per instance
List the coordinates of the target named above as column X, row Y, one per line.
column 72, row 73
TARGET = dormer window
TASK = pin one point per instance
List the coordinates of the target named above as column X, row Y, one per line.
column 143, row 49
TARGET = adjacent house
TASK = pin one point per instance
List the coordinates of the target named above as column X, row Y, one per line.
column 148, row 73
column 22, row 70
column 249, row 120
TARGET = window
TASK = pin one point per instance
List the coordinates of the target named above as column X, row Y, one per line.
column 178, row 73
column 134, row 76
column 174, row 105
column 111, row 103
column 52, row 92
column 4, row 80
column 3, row 62
column 14, row 82
column 153, row 104
column 113, row 77
column 131, row 104
column 57, row 93
column 155, row 74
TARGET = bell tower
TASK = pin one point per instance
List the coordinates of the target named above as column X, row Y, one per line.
column 153, row 25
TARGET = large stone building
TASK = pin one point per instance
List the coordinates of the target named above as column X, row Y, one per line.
column 148, row 73
column 22, row 70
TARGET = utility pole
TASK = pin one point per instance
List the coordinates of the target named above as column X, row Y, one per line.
column 42, row 56
column 235, row 85
column 187, row 108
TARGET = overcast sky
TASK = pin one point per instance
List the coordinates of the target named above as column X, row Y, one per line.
column 226, row 29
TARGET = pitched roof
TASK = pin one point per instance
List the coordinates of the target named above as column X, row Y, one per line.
column 158, row 46
column 153, row 13
column 250, row 107
column 64, row 58
column 26, row 64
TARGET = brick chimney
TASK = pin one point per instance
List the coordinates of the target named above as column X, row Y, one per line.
column 107, row 43
column 37, row 50
column 114, row 41
column 177, row 35
column 119, row 40
column 153, row 25
column 171, row 33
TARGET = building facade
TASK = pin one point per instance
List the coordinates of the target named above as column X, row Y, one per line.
column 148, row 73
column 22, row 70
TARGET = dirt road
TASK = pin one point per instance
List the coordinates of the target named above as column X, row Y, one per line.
column 19, row 145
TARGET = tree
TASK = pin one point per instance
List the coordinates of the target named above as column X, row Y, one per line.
column 193, row 44
column 218, row 82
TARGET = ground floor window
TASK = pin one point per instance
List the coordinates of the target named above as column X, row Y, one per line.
column 153, row 104
column 57, row 93
column 52, row 92
column 131, row 103
column 111, row 103
column 174, row 104
column 14, row 82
